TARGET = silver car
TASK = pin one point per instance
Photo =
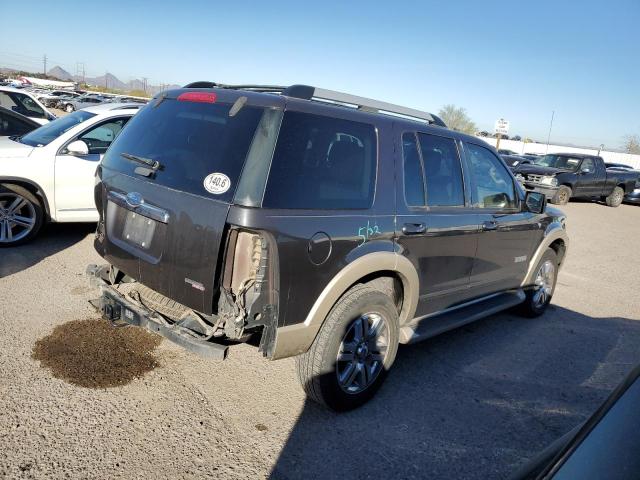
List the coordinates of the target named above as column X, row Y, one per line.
column 81, row 102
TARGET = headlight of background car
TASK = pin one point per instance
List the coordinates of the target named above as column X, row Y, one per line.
column 553, row 181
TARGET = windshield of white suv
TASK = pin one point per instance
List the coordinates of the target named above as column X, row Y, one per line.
column 563, row 162
column 48, row 133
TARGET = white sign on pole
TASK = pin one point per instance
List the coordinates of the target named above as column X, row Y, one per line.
column 502, row 126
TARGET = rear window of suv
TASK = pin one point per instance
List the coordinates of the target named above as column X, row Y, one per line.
column 322, row 163
column 191, row 140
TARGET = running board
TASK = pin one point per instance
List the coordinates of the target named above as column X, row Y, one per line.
column 455, row 317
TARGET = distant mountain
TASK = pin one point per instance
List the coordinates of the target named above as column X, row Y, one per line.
column 107, row 80
column 60, row 73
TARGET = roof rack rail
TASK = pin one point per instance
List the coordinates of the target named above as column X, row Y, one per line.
column 307, row 92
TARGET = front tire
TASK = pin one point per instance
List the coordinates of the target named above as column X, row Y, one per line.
column 615, row 198
column 546, row 276
column 562, row 196
column 69, row 108
column 21, row 215
column 353, row 351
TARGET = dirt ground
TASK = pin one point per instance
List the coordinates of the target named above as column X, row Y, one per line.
column 79, row 399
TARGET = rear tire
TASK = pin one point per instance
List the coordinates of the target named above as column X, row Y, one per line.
column 21, row 215
column 539, row 296
column 353, row 351
column 562, row 196
column 615, row 198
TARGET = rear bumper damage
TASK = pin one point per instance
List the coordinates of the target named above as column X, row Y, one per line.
column 121, row 311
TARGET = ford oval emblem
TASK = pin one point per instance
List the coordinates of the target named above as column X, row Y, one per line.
column 134, row 199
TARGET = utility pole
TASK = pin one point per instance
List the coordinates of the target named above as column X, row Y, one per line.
column 553, row 112
column 80, row 71
column 106, row 80
column 144, row 84
column 44, row 61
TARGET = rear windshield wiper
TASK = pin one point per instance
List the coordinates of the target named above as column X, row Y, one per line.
column 154, row 164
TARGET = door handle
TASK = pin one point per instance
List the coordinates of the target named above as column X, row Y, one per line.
column 414, row 228
column 489, row 226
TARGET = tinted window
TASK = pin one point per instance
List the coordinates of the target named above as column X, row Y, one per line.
column 322, row 163
column 413, row 175
column 190, row 140
column 10, row 125
column 21, row 103
column 493, row 185
column 588, row 165
column 99, row 138
column 52, row 130
column 442, row 170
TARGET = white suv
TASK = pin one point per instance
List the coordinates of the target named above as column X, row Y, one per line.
column 25, row 103
column 48, row 174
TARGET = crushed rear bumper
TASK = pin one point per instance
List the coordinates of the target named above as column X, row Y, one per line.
column 123, row 311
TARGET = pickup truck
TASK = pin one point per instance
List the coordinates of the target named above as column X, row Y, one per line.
column 562, row 176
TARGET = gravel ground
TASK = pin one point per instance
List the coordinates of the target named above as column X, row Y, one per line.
column 472, row 403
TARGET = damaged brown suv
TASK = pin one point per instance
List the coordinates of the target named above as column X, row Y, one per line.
column 318, row 224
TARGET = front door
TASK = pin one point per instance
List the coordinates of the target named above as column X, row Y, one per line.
column 589, row 182
column 436, row 226
column 74, row 174
column 506, row 240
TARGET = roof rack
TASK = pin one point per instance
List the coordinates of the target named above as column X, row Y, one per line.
column 307, row 92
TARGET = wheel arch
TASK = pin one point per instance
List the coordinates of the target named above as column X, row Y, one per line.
column 370, row 268
column 556, row 238
column 33, row 187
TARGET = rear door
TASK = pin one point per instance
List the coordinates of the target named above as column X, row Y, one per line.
column 507, row 230
column 436, row 226
column 165, row 227
column 74, row 174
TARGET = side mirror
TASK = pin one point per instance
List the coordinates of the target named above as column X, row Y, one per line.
column 535, row 202
column 77, row 147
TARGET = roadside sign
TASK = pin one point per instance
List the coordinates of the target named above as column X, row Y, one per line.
column 502, row 126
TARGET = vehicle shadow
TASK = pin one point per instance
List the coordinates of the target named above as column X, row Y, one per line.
column 476, row 402
column 53, row 238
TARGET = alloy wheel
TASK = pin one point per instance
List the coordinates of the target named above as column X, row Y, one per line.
column 17, row 217
column 545, row 279
column 362, row 353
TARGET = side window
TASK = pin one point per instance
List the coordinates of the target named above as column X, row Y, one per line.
column 99, row 138
column 493, row 186
column 31, row 108
column 442, row 170
column 588, row 165
column 6, row 101
column 12, row 126
column 413, row 174
column 322, row 163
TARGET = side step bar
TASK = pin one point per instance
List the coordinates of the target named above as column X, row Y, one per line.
column 455, row 317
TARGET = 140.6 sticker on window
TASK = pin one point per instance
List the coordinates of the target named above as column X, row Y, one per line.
column 217, row 183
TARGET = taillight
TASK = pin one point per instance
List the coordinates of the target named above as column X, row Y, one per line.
column 200, row 97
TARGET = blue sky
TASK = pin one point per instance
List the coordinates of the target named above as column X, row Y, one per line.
column 517, row 60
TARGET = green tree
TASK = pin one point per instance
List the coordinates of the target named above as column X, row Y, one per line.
column 456, row 118
column 631, row 143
